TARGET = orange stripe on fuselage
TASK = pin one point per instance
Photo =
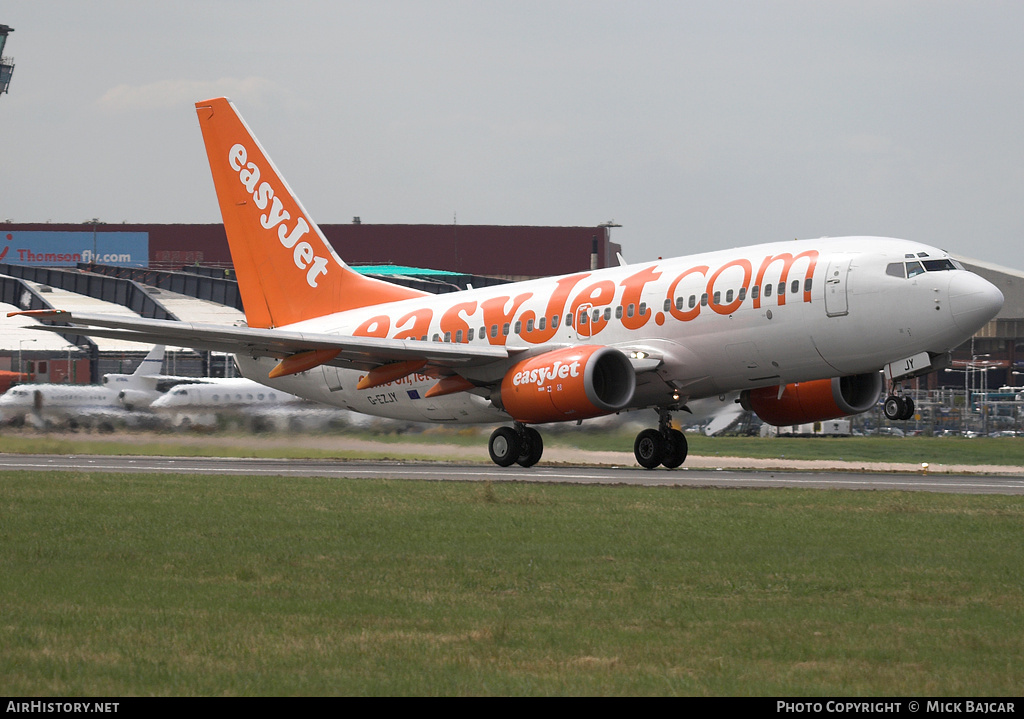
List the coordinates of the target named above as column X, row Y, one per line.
column 533, row 304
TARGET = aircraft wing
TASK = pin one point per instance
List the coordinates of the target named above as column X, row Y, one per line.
column 354, row 352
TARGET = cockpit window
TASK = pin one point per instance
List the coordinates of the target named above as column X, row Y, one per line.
column 938, row 265
column 912, row 268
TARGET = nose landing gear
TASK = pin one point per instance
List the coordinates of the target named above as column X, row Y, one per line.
column 665, row 446
column 898, row 406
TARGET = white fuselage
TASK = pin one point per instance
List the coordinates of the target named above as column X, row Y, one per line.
column 705, row 325
column 57, row 401
column 221, row 394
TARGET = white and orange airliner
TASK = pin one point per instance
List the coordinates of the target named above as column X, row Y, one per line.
column 804, row 330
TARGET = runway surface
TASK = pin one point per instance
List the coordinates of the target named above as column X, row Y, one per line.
column 442, row 471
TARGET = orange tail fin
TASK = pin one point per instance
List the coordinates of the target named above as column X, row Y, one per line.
column 287, row 271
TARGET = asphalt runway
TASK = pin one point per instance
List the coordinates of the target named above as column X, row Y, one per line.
column 440, row 471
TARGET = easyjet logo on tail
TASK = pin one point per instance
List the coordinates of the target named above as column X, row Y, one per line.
column 263, row 194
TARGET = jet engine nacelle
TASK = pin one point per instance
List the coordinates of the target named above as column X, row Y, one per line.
column 133, row 399
column 814, row 401
column 570, row 383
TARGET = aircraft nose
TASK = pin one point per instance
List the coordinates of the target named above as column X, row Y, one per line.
column 973, row 301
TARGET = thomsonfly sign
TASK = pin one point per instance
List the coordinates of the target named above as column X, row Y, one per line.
column 61, row 249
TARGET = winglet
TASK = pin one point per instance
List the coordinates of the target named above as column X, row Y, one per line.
column 39, row 314
column 286, row 269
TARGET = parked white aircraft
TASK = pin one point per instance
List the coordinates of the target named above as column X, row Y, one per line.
column 202, row 402
column 42, row 404
column 222, row 393
column 801, row 328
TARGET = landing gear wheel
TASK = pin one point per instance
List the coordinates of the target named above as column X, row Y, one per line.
column 908, row 408
column 532, row 447
column 649, row 448
column 504, row 446
column 894, row 407
column 675, row 450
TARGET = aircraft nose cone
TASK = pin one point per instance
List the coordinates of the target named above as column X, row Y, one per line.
column 973, row 301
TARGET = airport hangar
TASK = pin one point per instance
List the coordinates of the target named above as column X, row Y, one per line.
column 183, row 271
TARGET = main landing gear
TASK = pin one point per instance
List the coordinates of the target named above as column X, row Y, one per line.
column 898, row 405
column 518, row 444
column 665, row 446
column 523, row 445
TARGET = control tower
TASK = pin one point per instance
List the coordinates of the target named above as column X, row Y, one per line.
column 6, row 63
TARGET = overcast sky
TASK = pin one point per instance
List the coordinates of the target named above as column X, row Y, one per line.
column 695, row 125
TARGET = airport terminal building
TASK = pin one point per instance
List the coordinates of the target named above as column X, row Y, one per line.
column 184, row 271
column 509, row 252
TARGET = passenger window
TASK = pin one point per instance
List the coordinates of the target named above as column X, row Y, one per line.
column 504, row 329
column 794, row 286
column 529, row 325
column 519, row 327
column 728, row 296
column 607, row 313
column 807, row 285
column 643, row 309
column 554, row 322
column 743, row 294
column 494, row 330
column 718, row 297
column 755, row 292
column 693, row 301
column 630, row 310
column 768, row 290
column 542, row 323
column 458, row 336
column 704, row 300
column 618, row 312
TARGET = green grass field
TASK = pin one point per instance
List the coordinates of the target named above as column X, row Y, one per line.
column 175, row 585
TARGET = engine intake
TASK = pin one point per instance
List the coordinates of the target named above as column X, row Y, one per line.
column 133, row 399
column 814, row 401
column 571, row 383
